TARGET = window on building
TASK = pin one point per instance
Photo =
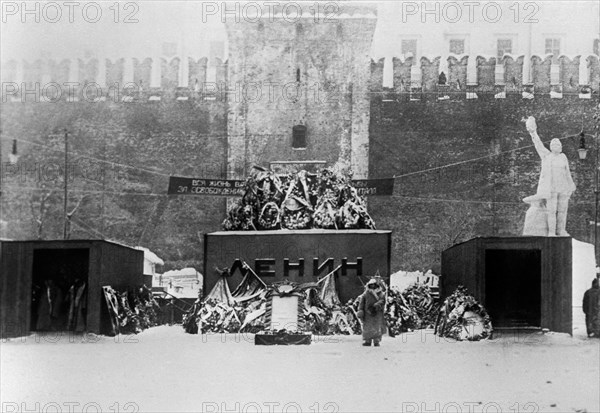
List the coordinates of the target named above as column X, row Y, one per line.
column 553, row 46
column 409, row 46
column 299, row 30
column 261, row 27
column 169, row 49
column 504, row 46
column 457, row 46
column 299, row 137
column 597, row 47
column 217, row 51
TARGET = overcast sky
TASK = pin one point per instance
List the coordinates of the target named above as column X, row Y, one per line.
column 158, row 22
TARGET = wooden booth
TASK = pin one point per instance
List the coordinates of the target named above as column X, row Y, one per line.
column 522, row 281
column 71, row 271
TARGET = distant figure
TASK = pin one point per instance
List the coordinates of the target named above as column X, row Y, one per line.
column 591, row 308
column 442, row 79
column 370, row 312
column 555, row 184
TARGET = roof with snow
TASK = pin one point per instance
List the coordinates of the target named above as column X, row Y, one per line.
column 185, row 272
column 150, row 256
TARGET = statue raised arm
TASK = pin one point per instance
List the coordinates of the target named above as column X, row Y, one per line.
column 555, row 184
column 531, row 126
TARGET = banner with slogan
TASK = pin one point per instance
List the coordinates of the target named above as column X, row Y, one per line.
column 201, row 186
column 235, row 187
column 374, row 187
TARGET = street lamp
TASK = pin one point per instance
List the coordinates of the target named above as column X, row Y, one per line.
column 13, row 158
column 1, row 177
column 582, row 149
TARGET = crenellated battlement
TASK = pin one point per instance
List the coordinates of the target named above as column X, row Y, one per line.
column 153, row 78
column 160, row 78
column 545, row 75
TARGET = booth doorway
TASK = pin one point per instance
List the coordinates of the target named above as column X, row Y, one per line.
column 59, row 289
column 513, row 288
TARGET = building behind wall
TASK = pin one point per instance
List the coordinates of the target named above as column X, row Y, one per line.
column 487, row 29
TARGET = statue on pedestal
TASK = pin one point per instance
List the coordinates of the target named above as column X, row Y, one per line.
column 554, row 188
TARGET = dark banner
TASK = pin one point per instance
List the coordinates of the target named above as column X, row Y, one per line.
column 214, row 187
column 374, row 187
column 234, row 187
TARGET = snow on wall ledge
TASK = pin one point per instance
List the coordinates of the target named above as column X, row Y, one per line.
column 478, row 72
column 149, row 72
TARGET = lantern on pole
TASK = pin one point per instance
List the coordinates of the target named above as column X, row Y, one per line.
column 13, row 157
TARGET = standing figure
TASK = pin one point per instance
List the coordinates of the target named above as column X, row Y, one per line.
column 555, row 184
column 50, row 309
column 591, row 309
column 370, row 311
column 77, row 306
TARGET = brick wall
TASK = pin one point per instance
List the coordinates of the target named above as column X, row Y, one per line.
column 436, row 205
column 142, row 143
column 429, row 211
column 483, row 197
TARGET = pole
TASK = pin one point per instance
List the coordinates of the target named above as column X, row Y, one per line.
column 1, row 178
column 596, row 191
column 66, row 187
column 103, row 184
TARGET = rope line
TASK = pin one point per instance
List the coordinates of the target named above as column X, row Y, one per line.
column 85, row 191
column 427, row 199
column 78, row 155
column 466, row 201
column 376, row 141
column 471, row 160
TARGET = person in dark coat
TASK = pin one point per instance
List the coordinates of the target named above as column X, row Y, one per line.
column 591, row 308
column 50, row 308
column 77, row 306
column 370, row 311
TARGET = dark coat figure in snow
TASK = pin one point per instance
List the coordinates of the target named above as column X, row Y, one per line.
column 370, row 312
column 51, row 315
column 591, row 308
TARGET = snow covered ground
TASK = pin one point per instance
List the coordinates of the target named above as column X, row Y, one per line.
column 164, row 369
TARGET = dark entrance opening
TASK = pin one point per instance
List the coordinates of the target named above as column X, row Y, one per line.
column 59, row 289
column 513, row 290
